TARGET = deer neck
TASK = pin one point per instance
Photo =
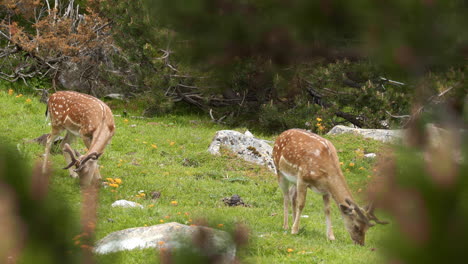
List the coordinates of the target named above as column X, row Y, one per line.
column 100, row 139
column 340, row 190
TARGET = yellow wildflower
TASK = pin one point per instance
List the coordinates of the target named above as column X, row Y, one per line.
column 361, row 168
column 110, row 180
column 172, row 143
column 10, row 92
column 114, row 185
column 220, row 225
column 351, row 164
column 161, row 221
column 290, row 250
column 28, row 101
column 126, row 120
column 154, row 146
column 118, row 181
column 19, row 95
column 151, row 205
column 174, row 202
column 319, row 119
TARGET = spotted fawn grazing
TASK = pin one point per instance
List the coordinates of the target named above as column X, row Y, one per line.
column 307, row 160
column 84, row 116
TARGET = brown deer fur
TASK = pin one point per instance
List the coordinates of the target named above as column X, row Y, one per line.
column 307, row 160
column 84, row 116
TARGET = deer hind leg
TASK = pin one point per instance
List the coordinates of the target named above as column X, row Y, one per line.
column 300, row 203
column 326, row 203
column 50, row 140
column 284, row 186
column 69, row 138
column 293, row 198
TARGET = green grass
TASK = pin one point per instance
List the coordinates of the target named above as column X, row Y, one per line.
column 199, row 187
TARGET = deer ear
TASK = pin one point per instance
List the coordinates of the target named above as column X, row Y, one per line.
column 346, row 209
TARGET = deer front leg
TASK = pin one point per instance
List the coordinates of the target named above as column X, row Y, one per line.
column 284, row 186
column 300, row 203
column 326, row 203
column 50, row 140
column 69, row 138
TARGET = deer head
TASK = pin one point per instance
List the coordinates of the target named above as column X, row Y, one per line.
column 358, row 220
column 85, row 165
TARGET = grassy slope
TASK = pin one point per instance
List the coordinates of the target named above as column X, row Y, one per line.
column 198, row 189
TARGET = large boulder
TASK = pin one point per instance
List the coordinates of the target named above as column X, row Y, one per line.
column 383, row 135
column 171, row 236
column 245, row 146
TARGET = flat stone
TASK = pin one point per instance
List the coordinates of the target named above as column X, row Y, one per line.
column 126, row 204
column 384, row 135
column 168, row 236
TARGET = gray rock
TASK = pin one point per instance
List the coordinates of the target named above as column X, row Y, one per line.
column 169, row 236
column 245, row 146
column 126, row 204
column 116, row 96
column 248, row 134
column 383, row 135
column 370, row 155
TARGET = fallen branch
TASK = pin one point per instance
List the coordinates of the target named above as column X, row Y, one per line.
column 418, row 111
column 317, row 99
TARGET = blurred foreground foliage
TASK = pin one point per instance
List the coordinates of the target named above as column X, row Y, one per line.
column 299, row 60
column 424, row 186
column 244, row 62
column 36, row 227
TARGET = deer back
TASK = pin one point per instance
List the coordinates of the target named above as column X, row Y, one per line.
column 81, row 114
